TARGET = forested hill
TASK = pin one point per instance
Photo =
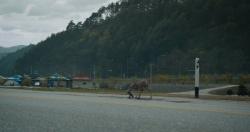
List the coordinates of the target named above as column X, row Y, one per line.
column 125, row 37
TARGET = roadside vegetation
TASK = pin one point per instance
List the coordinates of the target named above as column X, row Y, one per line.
column 145, row 95
column 241, row 90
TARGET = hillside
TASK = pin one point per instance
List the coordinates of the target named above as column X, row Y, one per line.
column 7, row 62
column 6, row 50
column 125, row 37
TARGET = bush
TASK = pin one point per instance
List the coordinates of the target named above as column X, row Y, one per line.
column 2, row 81
column 229, row 92
column 104, row 85
column 244, row 78
column 242, row 90
column 160, row 78
column 26, row 82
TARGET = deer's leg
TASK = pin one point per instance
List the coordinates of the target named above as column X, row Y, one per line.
column 139, row 94
column 130, row 95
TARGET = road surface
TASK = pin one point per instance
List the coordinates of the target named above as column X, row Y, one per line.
column 33, row 111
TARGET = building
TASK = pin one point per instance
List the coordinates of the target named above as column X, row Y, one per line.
column 83, row 82
column 40, row 82
column 57, row 80
column 13, row 81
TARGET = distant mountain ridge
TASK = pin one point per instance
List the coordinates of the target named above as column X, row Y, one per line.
column 8, row 61
column 10, row 49
column 5, row 50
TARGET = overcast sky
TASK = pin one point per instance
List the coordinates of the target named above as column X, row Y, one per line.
column 29, row 21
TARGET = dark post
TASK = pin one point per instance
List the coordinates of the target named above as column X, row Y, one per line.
column 197, row 77
column 196, row 92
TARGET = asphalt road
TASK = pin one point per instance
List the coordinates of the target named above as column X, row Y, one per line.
column 33, row 111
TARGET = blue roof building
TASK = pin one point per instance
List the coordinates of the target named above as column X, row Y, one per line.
column 15, row 80
column 57, row 80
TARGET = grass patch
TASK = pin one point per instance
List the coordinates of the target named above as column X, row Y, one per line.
column 146, row 93
column 82, row 90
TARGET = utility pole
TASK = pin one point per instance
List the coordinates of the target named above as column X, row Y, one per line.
column 197, row 77
column 121, row 72
column 31, row 70
column 94, row 72
column 150, row 79
column 150, row 75
column 127, row 68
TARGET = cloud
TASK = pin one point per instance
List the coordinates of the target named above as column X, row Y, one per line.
column 30, row 21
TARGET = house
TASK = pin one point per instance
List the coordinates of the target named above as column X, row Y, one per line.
column 83, row 82
column 57, row 80
column 34, row 75
column 40, row 82
column 13, row 81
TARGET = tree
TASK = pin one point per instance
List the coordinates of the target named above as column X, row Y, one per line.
column 71, row 26
column 242, row 90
